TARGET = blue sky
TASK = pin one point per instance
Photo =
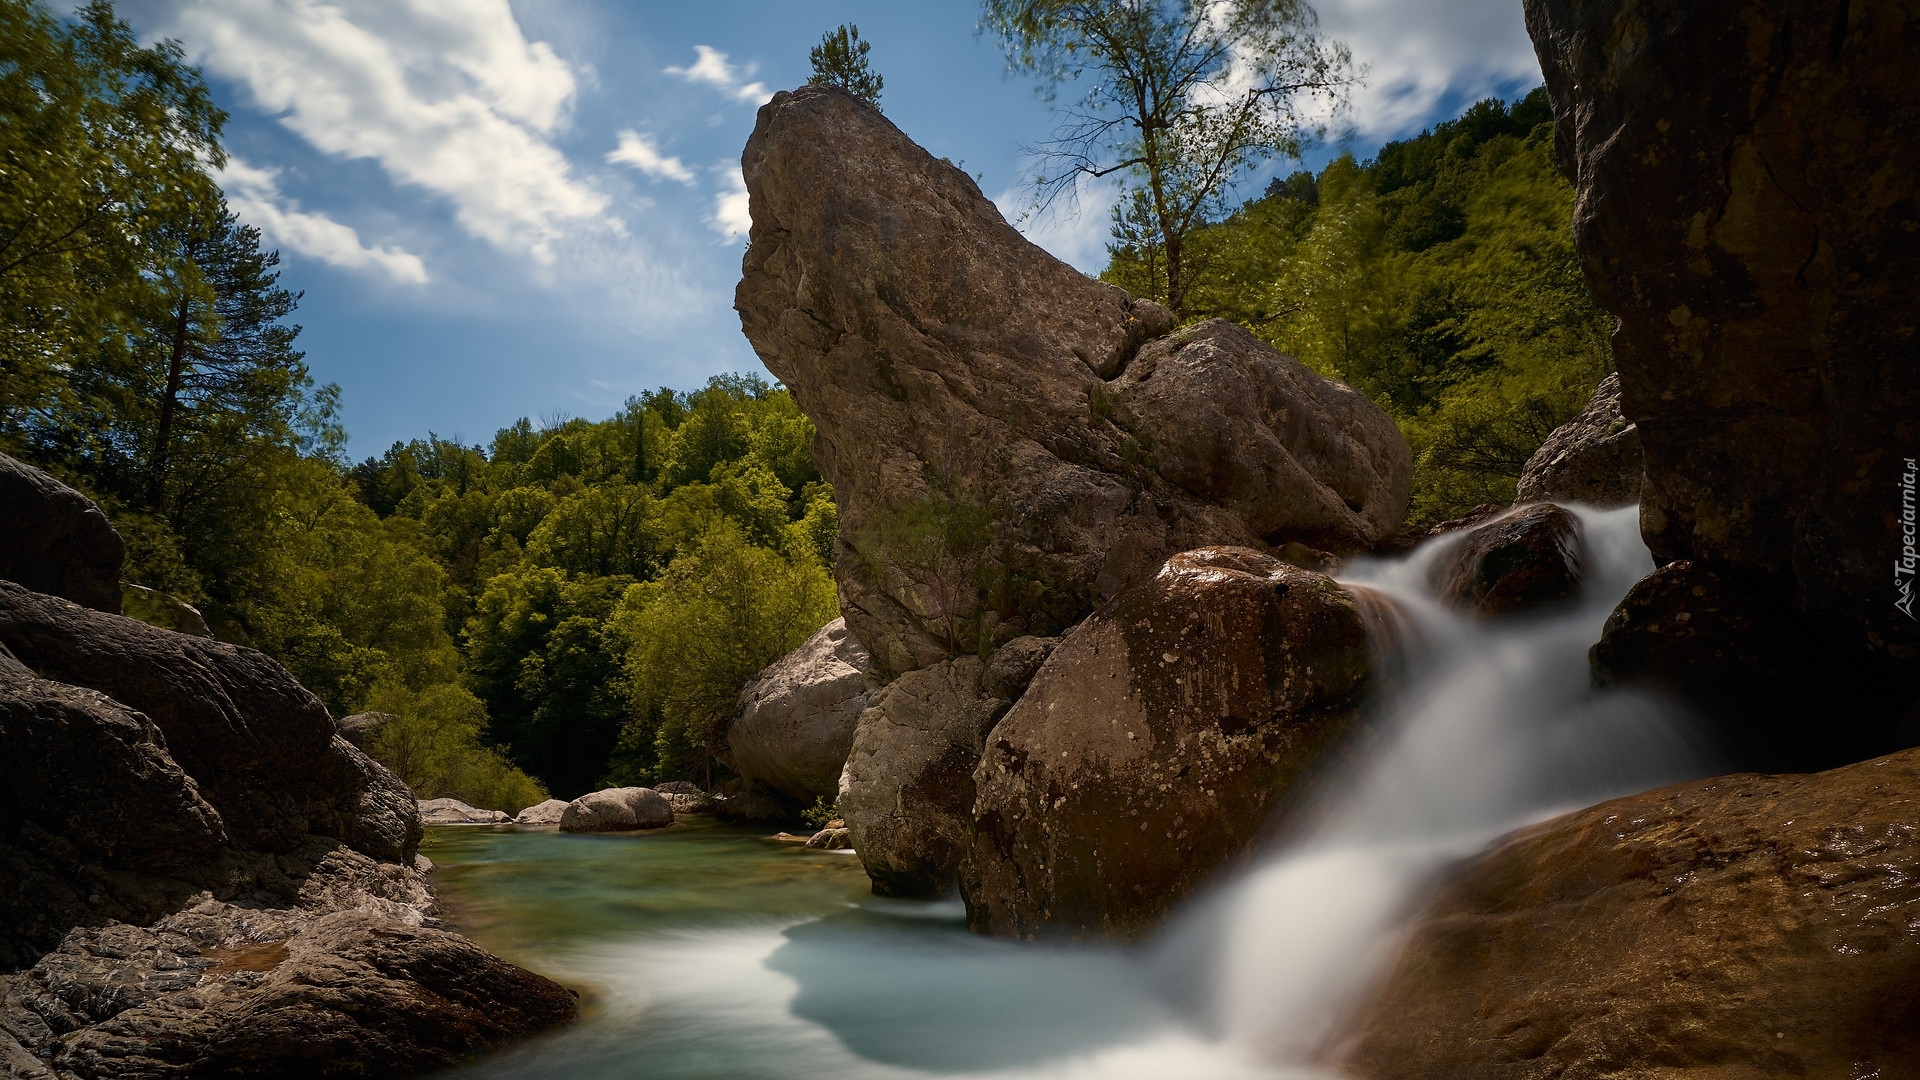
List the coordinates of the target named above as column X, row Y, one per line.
column 501, row 209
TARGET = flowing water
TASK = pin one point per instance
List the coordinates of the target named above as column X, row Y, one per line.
column 708, row 952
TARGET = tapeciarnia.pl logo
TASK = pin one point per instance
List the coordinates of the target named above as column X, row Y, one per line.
column 1903, row 567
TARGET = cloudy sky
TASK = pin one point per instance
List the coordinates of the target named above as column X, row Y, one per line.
column 505, row 208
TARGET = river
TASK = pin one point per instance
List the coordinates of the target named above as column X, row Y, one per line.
column 706, row 951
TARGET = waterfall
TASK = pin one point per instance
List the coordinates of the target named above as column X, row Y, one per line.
column 1487, row 725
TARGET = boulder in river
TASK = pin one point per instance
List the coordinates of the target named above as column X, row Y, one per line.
column 1744, row 205
column 53, row 540
column 1515, row 562
column 796, row 718
column 1157, row 742
column 1747, row 925
column 455, row 812
column 839, row 839
column 907, row 793
column 1008, row 442
column 545, row 813
column 617, row 810
column 1593, row 458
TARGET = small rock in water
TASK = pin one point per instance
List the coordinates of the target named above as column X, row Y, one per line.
column 787, row 838
column 831, row 839
column 1513, row 563
column 455, row 812
column 546, row 813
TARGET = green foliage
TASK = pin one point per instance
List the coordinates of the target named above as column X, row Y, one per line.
column 841, row 60
column 692, row 639
column 820, row 813
column 1181, row 98
column 434, row 743
column 1440, row 279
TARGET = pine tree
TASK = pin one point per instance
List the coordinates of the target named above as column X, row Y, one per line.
column 841, row 60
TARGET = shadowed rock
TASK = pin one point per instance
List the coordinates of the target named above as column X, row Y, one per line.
column 1156, row 742
column 1744, row 203
column 1740, row 926
column 55, row 541
column 1519, row 561
column 1593, row 458
column 1004, row 452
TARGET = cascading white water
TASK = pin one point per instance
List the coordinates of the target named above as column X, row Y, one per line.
column 1493, row 724
column 1484, row 726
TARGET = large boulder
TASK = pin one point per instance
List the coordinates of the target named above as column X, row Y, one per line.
column 1516, row 562
column 262, row 749
column 907, row 792
column 1158, row 740
column 454, row 812
column 1744, row 204
column 545, row 813
column 617, row 810
column 1593, row 458
column 796, row 718
column 1004, row 452
column 54, row 540
column 1741, row 926
column 1763, row 685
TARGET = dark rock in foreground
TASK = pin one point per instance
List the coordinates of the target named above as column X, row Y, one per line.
column 1594, row 458
column 1745, row 204
column 1516, row 562
column 966, row 385
column 199, row 877
column 1157, row 741
column 1742, row 926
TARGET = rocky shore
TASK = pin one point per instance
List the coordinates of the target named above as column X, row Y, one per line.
column 199, row 875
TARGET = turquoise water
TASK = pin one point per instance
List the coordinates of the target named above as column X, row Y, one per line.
column 707, row 951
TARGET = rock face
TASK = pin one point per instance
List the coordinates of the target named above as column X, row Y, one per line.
column 796, row 719
column 1742, row 658
column 1154, row 744
column 199, row 877
column 1594, row 458
column 455, row 812
column 617, row 810
column 1516, row 562
column 1008, row 443
column 546, row 813
column 1741, row 926
column 907, row 793
column 1743, row 205
column 53, row 539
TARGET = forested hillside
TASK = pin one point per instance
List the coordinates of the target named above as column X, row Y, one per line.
column 1439, row 278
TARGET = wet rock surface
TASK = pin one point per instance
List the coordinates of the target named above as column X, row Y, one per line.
column 1742, row 205
column 960, row 376
column 1748, row 925
column 1157, row 741
column 796, row 718
column 1593, row 459
column 160, row 915
column 1516, row 562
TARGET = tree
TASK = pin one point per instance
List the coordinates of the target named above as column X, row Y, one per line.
column 102, row 143
column 1183, row 96
column 841, row 60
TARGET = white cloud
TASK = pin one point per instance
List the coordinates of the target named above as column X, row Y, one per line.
column 254, row 195
column 1074, row 228
column 447, row 95
column 711, row 67
column 639, row 150
column 1419, row 52
column 730, row 217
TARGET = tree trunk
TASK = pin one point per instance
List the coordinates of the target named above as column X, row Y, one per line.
column 169, row 406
